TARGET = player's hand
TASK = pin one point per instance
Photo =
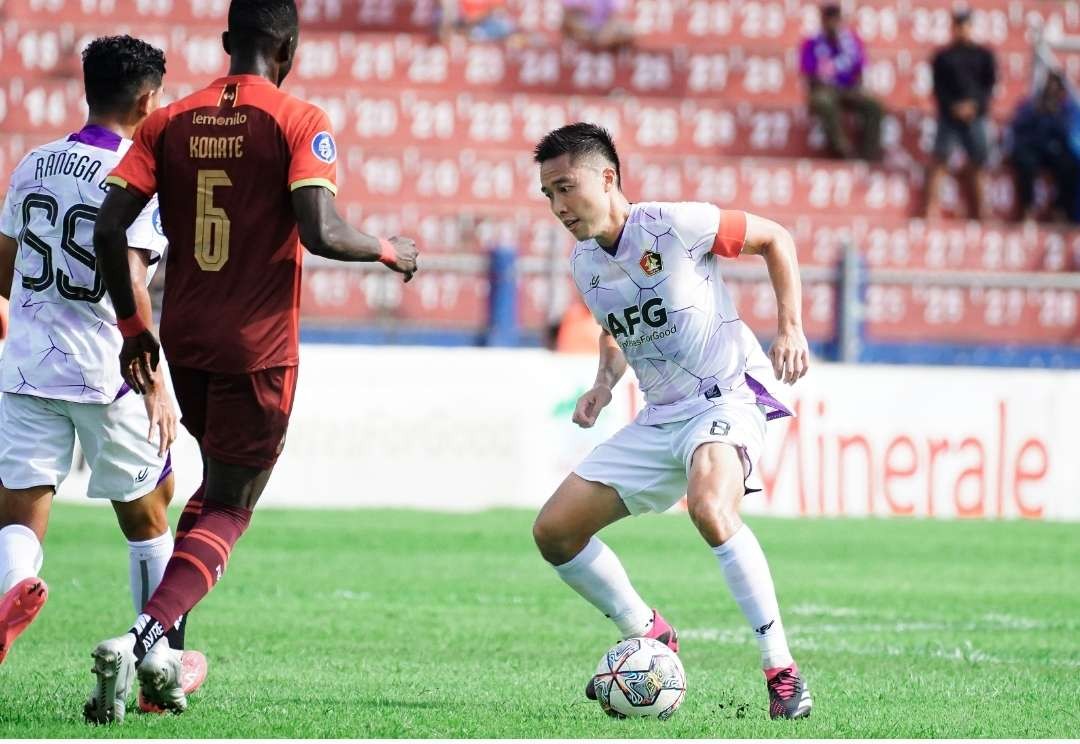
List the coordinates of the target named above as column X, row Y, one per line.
column 589, row 406
column 162, row 414
column 405, row 262
column 139, row 357
column 790, row 356
column 965, row 110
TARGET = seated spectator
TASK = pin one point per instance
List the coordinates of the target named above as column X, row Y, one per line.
column 480, row 20
column 832, row 63
column 1045, row 135
column 964, row 77
column 597, row 23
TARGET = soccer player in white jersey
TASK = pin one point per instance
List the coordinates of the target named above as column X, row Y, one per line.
column 58, row 374
column 651, row 274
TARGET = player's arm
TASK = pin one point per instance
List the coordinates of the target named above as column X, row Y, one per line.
column 158, row 401
column 789, row 353
column 326, row 234
column 140, row 353
column 611, row 369
column 8, row 250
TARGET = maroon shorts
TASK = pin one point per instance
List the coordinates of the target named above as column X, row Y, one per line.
column 239, row 419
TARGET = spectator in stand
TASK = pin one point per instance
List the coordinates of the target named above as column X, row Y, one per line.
column 480, row 20
column 597, row 23
column 964, row 78
column 832, row 63
column 1045, row 135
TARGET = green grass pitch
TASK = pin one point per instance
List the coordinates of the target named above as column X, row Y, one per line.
column 414, row 624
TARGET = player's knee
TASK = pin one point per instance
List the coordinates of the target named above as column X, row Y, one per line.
column 716, row 488
column 704, row 510
column 555, row 544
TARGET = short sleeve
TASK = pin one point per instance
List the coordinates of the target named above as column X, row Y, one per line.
column 730, row 233
column 8, row 222
column 137, row 170
column 313, row 151
column 146, row 232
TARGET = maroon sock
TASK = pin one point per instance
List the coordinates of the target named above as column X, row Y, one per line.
column 198, row 561
column 191, row 512
column 177, row 634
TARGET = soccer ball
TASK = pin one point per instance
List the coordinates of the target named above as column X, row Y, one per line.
column 640, row 678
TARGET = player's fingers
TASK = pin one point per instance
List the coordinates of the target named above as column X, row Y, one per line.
column 790, row 366
column 166, row 437
column 804, row 366
column 142, row 373
column 578, row 416
column 777, row 362
column 131, row 376
column 796, row 366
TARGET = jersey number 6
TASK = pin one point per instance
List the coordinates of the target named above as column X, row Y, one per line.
column 211, row 223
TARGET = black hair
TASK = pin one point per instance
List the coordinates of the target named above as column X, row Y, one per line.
column 578, row 140
column 117, row 70
column 273, row 20
column 830, row 10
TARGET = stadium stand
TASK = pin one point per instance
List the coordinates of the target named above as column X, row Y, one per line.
column 435, row 138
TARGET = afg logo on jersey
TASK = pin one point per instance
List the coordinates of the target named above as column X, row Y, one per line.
column 652, row 314
column 324, row 148
column 651, row 263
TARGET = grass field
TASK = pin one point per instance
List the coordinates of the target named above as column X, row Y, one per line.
column 412, row 624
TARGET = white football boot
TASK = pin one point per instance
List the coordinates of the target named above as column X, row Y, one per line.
column 160, row 677
column 114, row 667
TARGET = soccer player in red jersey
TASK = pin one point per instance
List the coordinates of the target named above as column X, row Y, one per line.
column 244, row 173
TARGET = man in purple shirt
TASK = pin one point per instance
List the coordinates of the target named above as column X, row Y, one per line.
column 832, row 63
column 597, row 23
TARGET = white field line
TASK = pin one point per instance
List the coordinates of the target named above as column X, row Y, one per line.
column 813, row 636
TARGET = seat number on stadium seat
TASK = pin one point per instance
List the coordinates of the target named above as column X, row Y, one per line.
column 211, row 223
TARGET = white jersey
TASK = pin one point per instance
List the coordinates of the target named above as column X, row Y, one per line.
column 663, row 299
column 63, row 342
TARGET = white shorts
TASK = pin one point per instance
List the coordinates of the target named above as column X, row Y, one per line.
column 37, row 441
column 649, row 466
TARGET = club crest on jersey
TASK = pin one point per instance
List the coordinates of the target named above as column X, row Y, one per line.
column 324, row 147
column 651, row 263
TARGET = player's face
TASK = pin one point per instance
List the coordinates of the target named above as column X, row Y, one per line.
column 962, row 31
column 579, row 193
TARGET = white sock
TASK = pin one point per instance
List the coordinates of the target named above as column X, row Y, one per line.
column 147, row 559
column 751, row 584
column 20, row 555
column 597, row 575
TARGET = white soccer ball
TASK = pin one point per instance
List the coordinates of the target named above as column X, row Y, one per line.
column 640, row 678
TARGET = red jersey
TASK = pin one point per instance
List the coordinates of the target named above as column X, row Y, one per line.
column 223, row 162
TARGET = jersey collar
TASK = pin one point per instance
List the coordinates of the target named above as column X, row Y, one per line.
column 241, row 79
column 97, row 136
